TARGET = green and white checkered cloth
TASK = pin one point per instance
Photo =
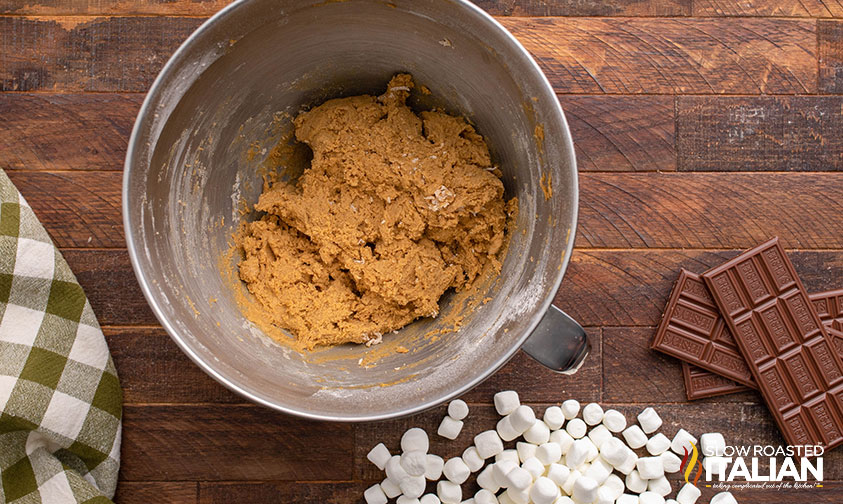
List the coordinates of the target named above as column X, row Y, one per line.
column 60, row 401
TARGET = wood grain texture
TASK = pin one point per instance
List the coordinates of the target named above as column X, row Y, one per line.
column 132, row 492
column 78, row 209
column 231, row 442
column 585, row 8
column 110, row 285
column 112, row 7
column 77, row 53
column 830, row 54
column 783, row 133
column 66, row 131
column 672, row 55
column 153, row 369
column 617, row 210
column 779, row 8
column 339, row 492
column 622, row 133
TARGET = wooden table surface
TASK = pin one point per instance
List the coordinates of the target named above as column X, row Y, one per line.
column 702, row 127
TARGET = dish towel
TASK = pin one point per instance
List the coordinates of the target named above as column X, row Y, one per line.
column 60, row 400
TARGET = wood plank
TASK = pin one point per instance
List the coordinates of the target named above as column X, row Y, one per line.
column 274, row 492
column 630, row 287
column 231, row 442
column 617, row 210
column 110, row 284
column 622, row 133
column 144, row 492
column 672, row 55
column 78, row 209
column 783, row 133
column 84, row 131
column 589, row 8
column 42, row 131
column 780, row 8
column 112, row 7
column 77, row 53
column 830, row 54
column 153, row 369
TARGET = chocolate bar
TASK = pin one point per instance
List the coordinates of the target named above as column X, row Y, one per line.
column 788, row 350
column 701, row 383
column 692, row 330
column 829, row 306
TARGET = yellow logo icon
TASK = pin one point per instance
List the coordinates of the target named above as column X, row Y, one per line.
column 687, row 466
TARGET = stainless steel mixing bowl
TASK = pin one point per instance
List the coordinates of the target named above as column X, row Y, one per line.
column 207, row 127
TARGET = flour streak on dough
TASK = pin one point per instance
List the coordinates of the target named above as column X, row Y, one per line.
column 395, row 209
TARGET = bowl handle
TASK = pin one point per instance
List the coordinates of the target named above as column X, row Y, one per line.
column 558, row 342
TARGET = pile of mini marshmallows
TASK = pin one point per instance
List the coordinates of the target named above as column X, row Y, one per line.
column 563, row 459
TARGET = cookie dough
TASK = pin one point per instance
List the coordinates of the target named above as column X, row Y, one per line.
column 395, row 209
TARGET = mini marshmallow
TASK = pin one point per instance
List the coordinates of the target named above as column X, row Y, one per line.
column 613, row 487
column 650, row 467
column 660, row 486
column 504, row 498
column 570, row 408
column 585, row 490
column 449, row 428
column 592, row 413
column 374, row 495
column 468, row 501
column 715, row 465
column 390, row 488
column 629, row 464
column 649, row 420
column 379, row 455
column 415, row 439
column 508, row 455
column 458, row 409
column 538, row 433
column 724, row 498
column 449, row 492
column 671, row 462
column 712, row 444
column 634, row 437
column 549, row 453
column 614, row 420
column 403, row 499
column 604, row 496
column 519, row 479
column 635, row 483
column 429, row 499
column 613, row 451
column 526, row 450
column 688, row 494
column 500, row 470
column 593, row 452
column 599, row 435
column 578, row 454
column 563, row 439
column 413, row 486
column 544, row 491
column 484, row 496
column 519, row 496
column 627, row 499
column 414, row 462
column 433, row 467
column 534, row 467
column 486, row 479
column 670, row 501
column 658, row 444
column 395, row 471
column 522, row 418
column 568, row 486
column 505, row 429
column 599, row 471
column 456, row 470
column 488, row 444
column 472, row 460
column 564, row 499
column 554, row 418
column 576, row 428
column 650, row 498
column 506, row 402
column 681, row 442
column 558, row 473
